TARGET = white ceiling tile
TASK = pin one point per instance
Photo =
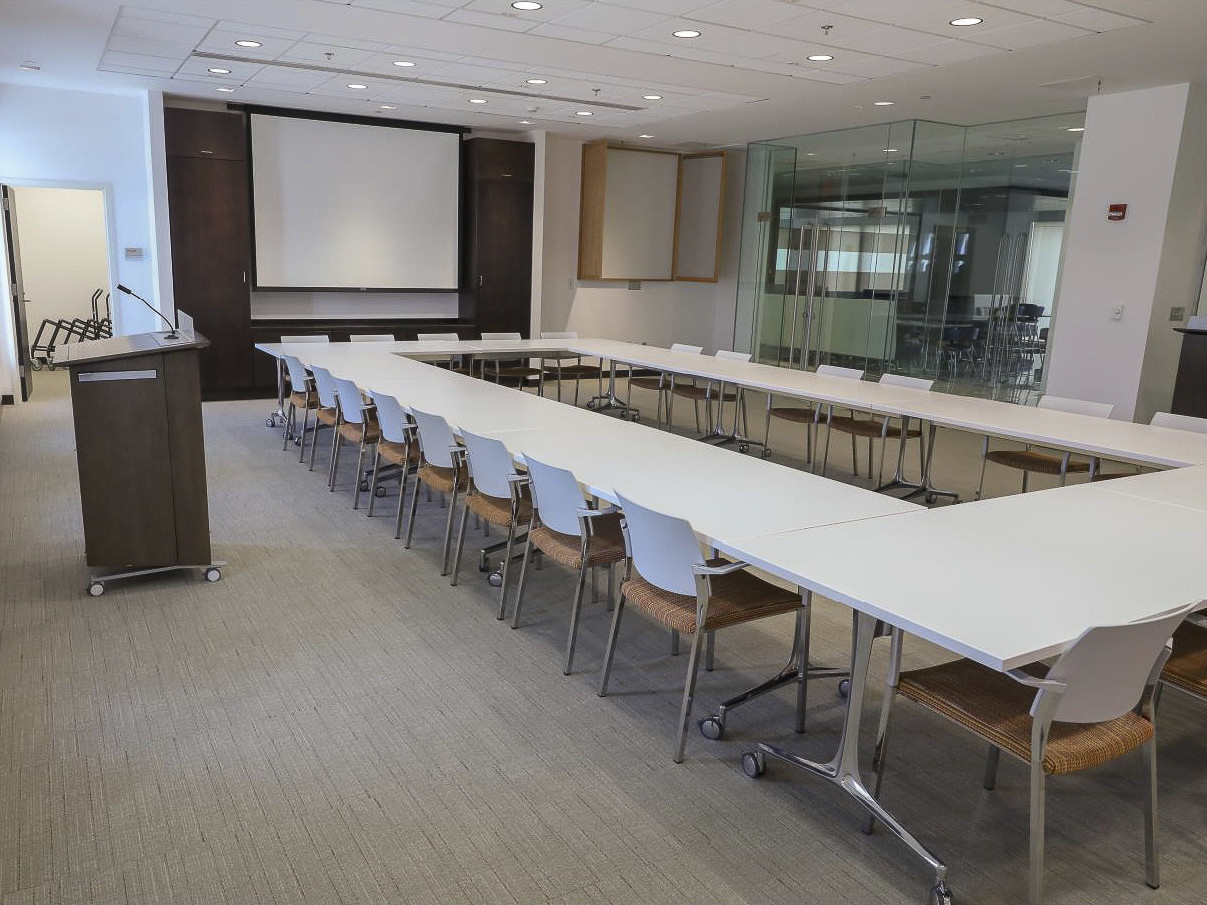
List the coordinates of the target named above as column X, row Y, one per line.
column 500, row 22
column 808, row 27
column 889, row 40
column 752, row 14
column 159, row 15
column 551, row 10
column 309, row 52
column 345, row 42
column 1033, row 34
column 581, row 35
column 150, row 47
column 930, row 15
column 612, row 20
column 949, row 51
column 416, row 94
column 287, row 79
column 154, row 29
column 758, row 46
column 338, row 87
column 1097, row 19
column 384, row 63
column 199, row 67
column 268, row 31
column 223, row 41
column 641, row 45
column 464, row 74
column 1044, row 8
column 665, row 7
column 881, row 66
column 133, row 70
column 774, row 67
column 399, row 52
column 427, row 9
column 714, row 37
column 830, row 77
column 141, row 62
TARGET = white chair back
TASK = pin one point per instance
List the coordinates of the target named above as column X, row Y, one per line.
column 490, row 465
column 1180, row 422
column 664, row 548
column 910, row 383
column 733, row 356
column 392, row 418
column 306, row 338
column 325, row 384
column 436, row 439
column 557, row 496
column 351, row 402
column 1076, row 406
column 685, row 347
column 835, row 371
column 1107, row 667
column 297, row 372
column 371, row 338
column 546, row 334
column 501, row 336
column 438, row 337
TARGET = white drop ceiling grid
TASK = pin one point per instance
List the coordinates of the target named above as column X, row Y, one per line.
column 868, row 39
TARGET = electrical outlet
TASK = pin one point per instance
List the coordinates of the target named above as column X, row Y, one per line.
column 1177, row 315
column 1117, row 313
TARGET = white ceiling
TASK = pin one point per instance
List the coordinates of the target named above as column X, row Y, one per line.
column 746, row 76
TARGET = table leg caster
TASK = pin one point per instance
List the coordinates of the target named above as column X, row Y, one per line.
column 754, row 764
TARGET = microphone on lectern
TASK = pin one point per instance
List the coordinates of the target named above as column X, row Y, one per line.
column 171, row 326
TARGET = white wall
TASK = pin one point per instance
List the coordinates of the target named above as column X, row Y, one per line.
column 87, row 140
column 64, row 252
column 1145, row 149
column 658, row 313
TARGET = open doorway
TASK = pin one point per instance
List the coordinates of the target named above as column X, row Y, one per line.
column 56, row 264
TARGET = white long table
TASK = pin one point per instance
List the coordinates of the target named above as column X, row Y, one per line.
column 1004, row 582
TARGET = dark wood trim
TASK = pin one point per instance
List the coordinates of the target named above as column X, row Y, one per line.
column 352, row 118
column 365, row 290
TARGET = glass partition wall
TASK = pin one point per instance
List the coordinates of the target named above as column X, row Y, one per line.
column 913, row 247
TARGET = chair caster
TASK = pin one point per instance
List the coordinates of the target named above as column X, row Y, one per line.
column 97, row 588
column 270, row 421
column 844, row 688
column 36, row 364
column 940, row 894
column 754, row 764
column 297, row 441
column 495, row 579
column 930, row 499
column 213, row 573
column 364, row 486
column 712, row 728
column 380, row 491
column 743, row 447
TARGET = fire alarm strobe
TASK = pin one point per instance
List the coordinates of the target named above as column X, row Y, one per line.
column 1116, row 212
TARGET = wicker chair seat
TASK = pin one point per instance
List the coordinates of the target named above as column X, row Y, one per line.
column 303, row 400
column 574, row 372
column 791, row 413
column 326, row 415
column 497, row 510
column 1111, row 475
column 520, row 371
column 367, row 432
column 440, row 478
column 688, row 391
column 996, row 708
column 1187, row 665
column 866, row 427
column 1030, row 460
column 736, row 598
column 606, row 544
column 647, row 383
column 398, row 453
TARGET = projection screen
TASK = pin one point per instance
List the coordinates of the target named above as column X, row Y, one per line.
column 347, row 206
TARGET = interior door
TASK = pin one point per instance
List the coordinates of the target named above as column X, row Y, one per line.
column 16, row 292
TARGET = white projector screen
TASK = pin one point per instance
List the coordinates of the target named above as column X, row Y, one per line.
column 348, row 206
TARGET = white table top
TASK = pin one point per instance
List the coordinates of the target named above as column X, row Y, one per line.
column 1006, row 581
column 1180, row 487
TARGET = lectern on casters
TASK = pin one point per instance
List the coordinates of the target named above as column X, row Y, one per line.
column 136, row 403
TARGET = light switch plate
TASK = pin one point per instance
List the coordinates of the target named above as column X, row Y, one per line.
column 1177, row 314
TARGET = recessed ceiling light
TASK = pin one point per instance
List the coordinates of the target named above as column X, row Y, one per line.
column 226, row 89
column 810, row 154
column 403, row 63
column 525, row 122
column 686, row 33
column 477, row 100
column 965, row 21
column 248, row 44
column 583, row 113
column 388, row 107
column 29, row 67
column 1020, row 166
column 218, row 70
column 526, row 5
column 1076, row 129
column 645, row 135
column 651, row 97
column 890, row 150
column 819, row 57
column 356, row 86
column 883, row 103
column 537, row 81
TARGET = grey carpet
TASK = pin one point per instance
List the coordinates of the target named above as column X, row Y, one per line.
column 333, row 723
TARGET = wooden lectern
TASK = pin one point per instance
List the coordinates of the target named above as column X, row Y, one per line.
column 1190, row 389
column 136, row 403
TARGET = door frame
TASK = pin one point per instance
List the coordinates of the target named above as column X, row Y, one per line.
column 8, row 329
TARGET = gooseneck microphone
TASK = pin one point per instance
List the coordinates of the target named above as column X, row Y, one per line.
column 171, row 326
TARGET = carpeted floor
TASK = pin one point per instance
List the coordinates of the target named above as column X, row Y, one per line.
column 332, row 722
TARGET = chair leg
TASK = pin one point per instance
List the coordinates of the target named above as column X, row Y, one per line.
column 989, row 783
column 689, row 692
column 402, row 495
column 674, row 643
column 1035, row 880
column 1026, row 474
column 710, row 651
column 302, row 445
column 373, row 482
column 575, row 610
column 406, row 545
column 448, row 528
column 606, row 669
column 519, row 596
column 359, row 477
column 767, row 429
column 980, row 487
column 825, row 456
column 1152, row 853
column 855, row 456
column 696, row 406
column 460, row 542
column 336, row 443
column 314, row 441
column 291, row 418
column 803, row 618
column 506, row 568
